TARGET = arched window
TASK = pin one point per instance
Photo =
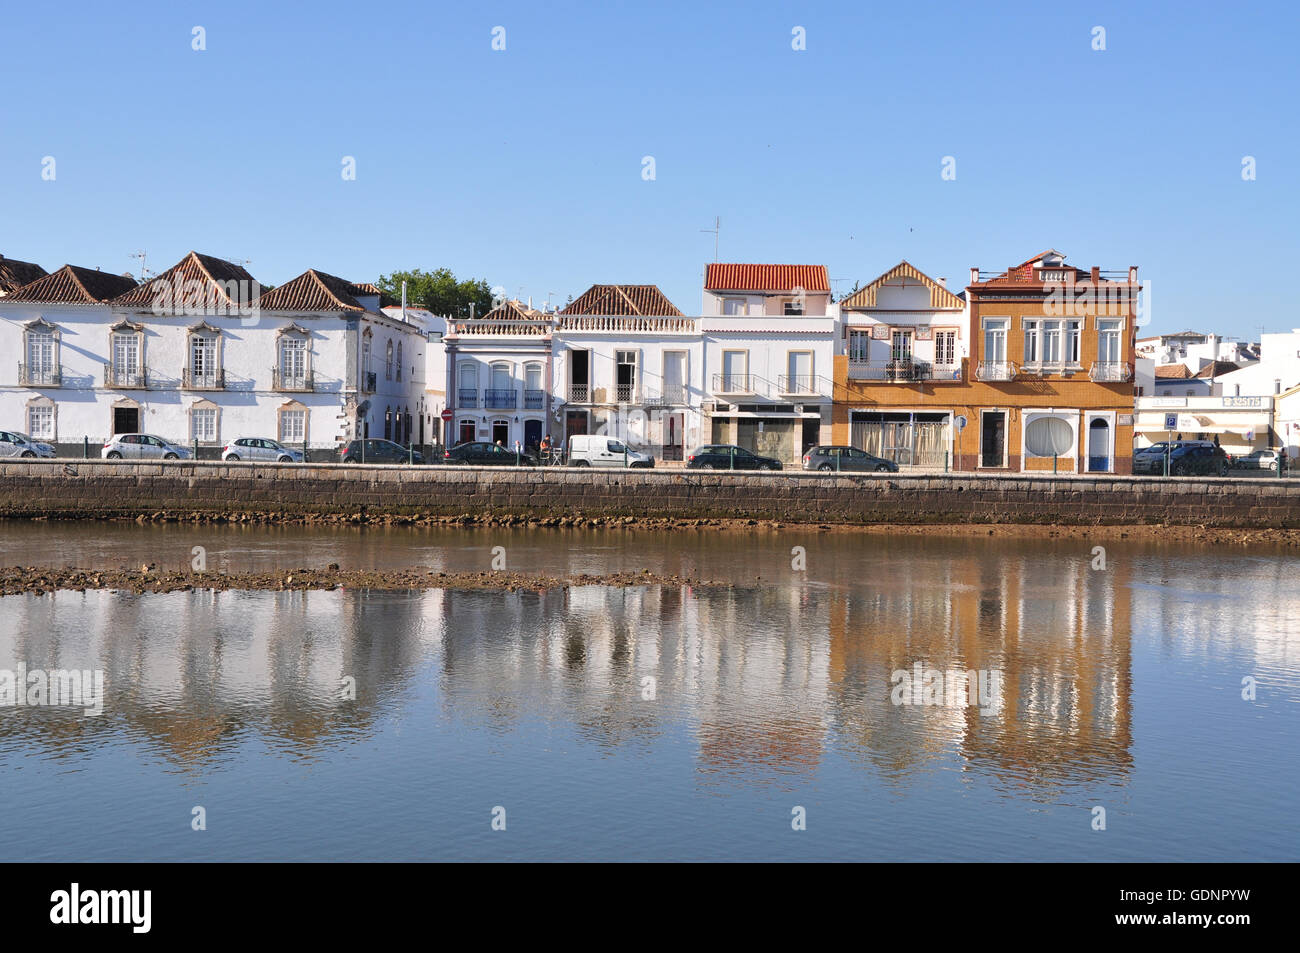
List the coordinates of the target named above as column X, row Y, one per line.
column 388, row 359
column 388, row 423
column 399, row 360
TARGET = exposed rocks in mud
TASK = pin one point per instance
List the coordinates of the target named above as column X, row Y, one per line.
column 38, row 580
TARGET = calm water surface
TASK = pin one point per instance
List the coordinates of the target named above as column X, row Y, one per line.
column 1121, row 688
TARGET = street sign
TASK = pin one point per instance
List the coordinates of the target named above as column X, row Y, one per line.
column 1171, row 421
column 960, row 422
column 447, row 415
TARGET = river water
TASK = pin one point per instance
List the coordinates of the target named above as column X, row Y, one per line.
column 656, row 722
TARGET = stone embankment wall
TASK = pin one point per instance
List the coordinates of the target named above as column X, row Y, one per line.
column 103, row 489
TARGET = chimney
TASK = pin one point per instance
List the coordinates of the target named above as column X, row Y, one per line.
column 943, row 282
column 974, row 276
column 1095, row 274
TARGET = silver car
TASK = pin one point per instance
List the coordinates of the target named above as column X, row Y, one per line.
column 15, row 444
column 142, row 446
column 260, row 448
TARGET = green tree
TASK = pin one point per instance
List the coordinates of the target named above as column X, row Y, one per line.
column 439, row 291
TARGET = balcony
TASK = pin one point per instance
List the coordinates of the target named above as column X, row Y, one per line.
column 45, row 375
column 579, row 393
column 534, row 399
column 995, row 371
column 624, row 393
column 467, row 397
column 1110, row 372
column 733, row 383
column 290, row 381
column 798, row 384
column 125, row 377
column 499, row 398
column 903, row 371
column 673, row 394
column 204, row 380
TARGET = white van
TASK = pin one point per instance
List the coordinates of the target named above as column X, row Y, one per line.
column 589, row 450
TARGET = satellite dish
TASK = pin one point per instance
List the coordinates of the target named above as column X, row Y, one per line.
column 363, row 407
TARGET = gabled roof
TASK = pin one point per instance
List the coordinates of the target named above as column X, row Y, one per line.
column 14, row 274
column 940, row 297
column 723, row 277
column 313, row 291
column 1217, row 368
column 74, row 285
column 516, row 310
column 1174, row 372
column 1025, row 270
column 206, row 271
column 623, row 299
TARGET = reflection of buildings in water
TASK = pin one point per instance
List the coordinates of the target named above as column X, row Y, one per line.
column 1057, row 631
column 195, row 671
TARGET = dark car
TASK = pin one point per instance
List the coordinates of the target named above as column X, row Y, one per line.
column 483, row 454
column 378, row 451
column 842, row 459
column 728, row 457
column 1198, row 459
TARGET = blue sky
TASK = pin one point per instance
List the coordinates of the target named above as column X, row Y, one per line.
column 524, row 166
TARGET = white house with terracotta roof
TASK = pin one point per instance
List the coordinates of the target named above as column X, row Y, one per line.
column 497, row 370
column 769, row 336
column 627, row 363
column 199, row 355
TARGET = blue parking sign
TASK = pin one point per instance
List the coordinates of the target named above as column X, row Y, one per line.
column 1171, row 421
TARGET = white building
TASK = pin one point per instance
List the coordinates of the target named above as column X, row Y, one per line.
column 628, row 364
column 198, row 355
column 1238, row 424
column 496, row 370
column 769, row 351
column 1277, row 370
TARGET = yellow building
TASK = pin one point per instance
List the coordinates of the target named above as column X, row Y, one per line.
column 1032, row 371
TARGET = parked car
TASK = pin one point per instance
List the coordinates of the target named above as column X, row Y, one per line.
column 1152, row 459
column 260, row 448
column 1198, row 459
column 589, row 450
column 480, row 453
column 142, row 446
column 844, row 459
column 378, row 451
column 15, row 444
column 1258, row 460
column 728, row 457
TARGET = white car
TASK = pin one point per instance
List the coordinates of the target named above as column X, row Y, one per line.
column 142, row 446
column 260, row 448
column 590, row 450
column 14, row 444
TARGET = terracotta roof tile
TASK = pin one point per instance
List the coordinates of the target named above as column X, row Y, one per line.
column 313, row 291
column 623, row 299
column 725, row 277
column 209, row 273
column 515, row 310
column 74, row 285
column 14, row 274
column 1173, row 372
column 1215, row 368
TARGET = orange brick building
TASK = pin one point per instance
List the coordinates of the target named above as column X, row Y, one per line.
column 1031, row 372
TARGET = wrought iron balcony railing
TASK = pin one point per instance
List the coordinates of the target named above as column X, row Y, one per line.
column 467, row 397
column 290, row 380
column 534, row 399
column 996, row 371
column 204, row 380
column 500, row 398
column 1110, row 371
column 128, row 377
column 41, row 375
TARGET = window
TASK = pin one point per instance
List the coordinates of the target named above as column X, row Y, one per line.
column 945, row 348
column 625, row 376
column 293, row 425
column 388, row 362
column 42, row 355
column 1031, row 342
column 674, row 377
column 126, row 358
column 733, row 306
column 203, row 424
column 293, row 362
column 799, row 365
column 1051, row 342
column 398, row 364
column 1108, row 344
column 794, row 307
column 1072, row 341
column 388, row 423
column 1049, row 437
column 901, row 347
column 203, row 360
column 40, row 421
column 995, row 340
column 859, row 346
column 735, row 371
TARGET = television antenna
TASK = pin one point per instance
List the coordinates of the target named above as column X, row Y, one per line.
column 717, row 228
column 142, row 255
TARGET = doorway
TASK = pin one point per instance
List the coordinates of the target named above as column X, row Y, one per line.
column 993, row 438
column 812, row 433
column 532, row 433
column 126, row 420
column 501, row 432
column 673, row 439
column 466, row 432
column 1099, row 446
column 575, row 422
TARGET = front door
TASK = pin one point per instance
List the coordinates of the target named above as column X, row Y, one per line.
column 532, row 433
column 466, row 432
column 126, row 419
column 501, row 432
column 673, row 439
column 575, row 423
column 1099, row 446
column 993, row 439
